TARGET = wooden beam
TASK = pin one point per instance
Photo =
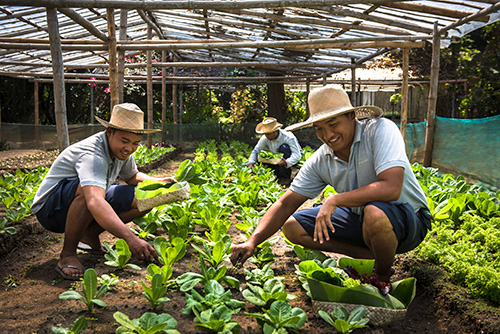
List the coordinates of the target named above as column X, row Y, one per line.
column 122, row 35
column 72, row 14
column 164, row 99
column 149, row 89
column 113, row 70
column 186, row 4
column 58, row 80
column 433, row 93
column 404, row 93
column 440, row 11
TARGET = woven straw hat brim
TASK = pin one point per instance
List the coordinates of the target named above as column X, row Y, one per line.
column 263, row 132
column 361, row 112
column 139, row 131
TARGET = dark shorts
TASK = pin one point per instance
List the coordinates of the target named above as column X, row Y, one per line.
column 55, row 210
column 410, row 228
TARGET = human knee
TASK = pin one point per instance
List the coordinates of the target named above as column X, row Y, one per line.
column 375, row 220
column 291, row 231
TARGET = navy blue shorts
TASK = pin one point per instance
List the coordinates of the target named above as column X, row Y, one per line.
column 55, row 210
column 410, row 228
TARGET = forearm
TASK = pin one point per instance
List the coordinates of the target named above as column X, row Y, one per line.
column 275, row 217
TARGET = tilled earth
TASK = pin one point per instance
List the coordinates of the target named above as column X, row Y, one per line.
column 30, row 289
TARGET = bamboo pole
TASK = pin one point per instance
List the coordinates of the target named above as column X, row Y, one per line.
column 122, row 35
column 174, row 97
column 187, row 4
column 164, row 99
column 404, row 93
column 113, row 71
column 149, row 90
column 58, row 79
column 433, row 92
column 481, row 13
column 37, row 113
column 441, row 11
column 84, row 23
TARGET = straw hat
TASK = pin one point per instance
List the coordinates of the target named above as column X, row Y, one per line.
column 127, row 117
column 268, row 125
column 330, row 101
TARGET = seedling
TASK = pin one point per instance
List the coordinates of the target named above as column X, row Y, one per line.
column 120, row 256
column 271, row 291
column 149, row 323
column 216, row 321
column 280, row 318
column 345, row 322
column 78, row 327
column 155, row 294
column 215, row 296
column 189, row 280
column 90, row 294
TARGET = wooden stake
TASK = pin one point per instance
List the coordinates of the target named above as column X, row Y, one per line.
column 122, row 35
column 149, row 90
column 164, row 99
column 433, row 92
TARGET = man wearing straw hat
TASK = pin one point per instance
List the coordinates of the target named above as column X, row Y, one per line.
column 78, row 198
column 379, row 210
column 275, row 140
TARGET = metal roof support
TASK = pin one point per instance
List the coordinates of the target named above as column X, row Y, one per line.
column 433, row 92
column 58, row 79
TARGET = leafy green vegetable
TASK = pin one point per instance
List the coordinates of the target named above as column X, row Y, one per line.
column 120, row 256
column 148, row 323
column 78, row 327
column 216, row 320
column 90, row 294
column 270, row 155
column 345, row 322
column 215, row 295
column 156, row 294
column 150, row 188
column 271, row 291
column 280, row 318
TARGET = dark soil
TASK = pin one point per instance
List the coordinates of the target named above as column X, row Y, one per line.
column 29, row 294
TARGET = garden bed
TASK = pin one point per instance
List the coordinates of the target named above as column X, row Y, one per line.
column 31, row 287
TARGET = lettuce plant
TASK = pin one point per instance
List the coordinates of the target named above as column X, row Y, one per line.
column 148, row 323
column 271, row 291
column 215, row 295
column 280, row 318
column 189, row 280
column 156, row 294
column 90, row 293
column 218, row 254
column 260, row 276
column 78, row 327
column 345, row 322
column 216, row 320
column 120, row 256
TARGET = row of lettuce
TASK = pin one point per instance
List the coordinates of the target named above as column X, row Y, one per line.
column 465, row 239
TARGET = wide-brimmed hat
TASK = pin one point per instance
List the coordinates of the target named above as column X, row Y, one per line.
column 268, row 125
column 127, row 117
column 330, row 101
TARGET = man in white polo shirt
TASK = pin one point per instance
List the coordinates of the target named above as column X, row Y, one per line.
column 78, row 198
column 276, row 140
column 379, row 210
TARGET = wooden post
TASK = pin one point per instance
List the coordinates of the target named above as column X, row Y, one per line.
column 433, row 92
column 92, row 105
column 113, row 71
column 122, row 35
column 149, row 89
column 163, row 99
column 308, row 89
column 276, row 100
column 404, row 93
column 58, row 79
column 37, row 113
column 353, row 85
column 174, row 96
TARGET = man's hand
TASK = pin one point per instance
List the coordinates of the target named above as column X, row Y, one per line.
column 282, row 162
column 142, row 250
column 324, row 221
column 166, row 179
column 240, row 253
column 250, row 166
